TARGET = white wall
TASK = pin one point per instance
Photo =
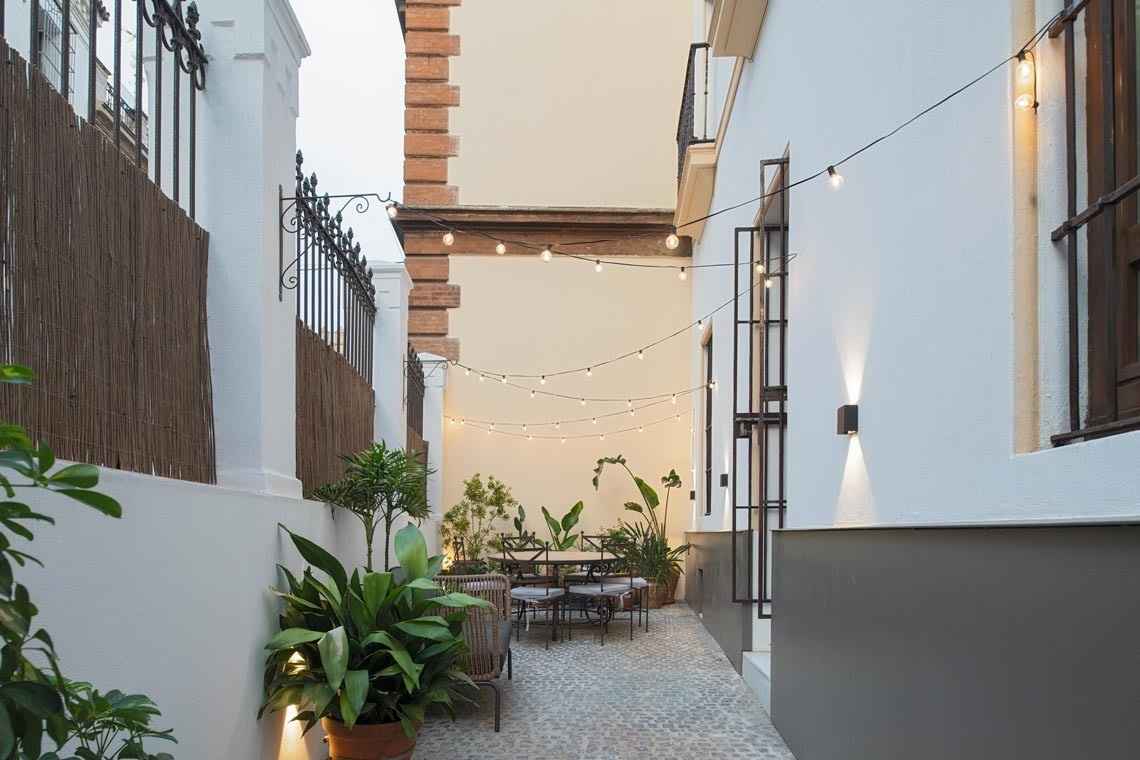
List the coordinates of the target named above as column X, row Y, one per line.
column 902, row 295
column 172, row 601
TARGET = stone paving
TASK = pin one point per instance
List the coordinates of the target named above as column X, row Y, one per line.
column 670, row 694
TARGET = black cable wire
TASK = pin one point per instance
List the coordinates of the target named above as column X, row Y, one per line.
column 580, row 436
column 592, row 418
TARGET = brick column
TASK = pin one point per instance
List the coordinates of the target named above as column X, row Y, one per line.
column 428, row 143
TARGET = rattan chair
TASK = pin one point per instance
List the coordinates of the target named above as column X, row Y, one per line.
column 487, row 630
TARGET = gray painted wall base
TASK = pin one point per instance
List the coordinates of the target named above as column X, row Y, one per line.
column 1019, row 642
column 708, row 592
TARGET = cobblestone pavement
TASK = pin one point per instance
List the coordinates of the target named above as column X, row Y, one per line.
column 670, row 694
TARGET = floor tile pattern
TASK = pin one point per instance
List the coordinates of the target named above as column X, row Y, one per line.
column 670, row 694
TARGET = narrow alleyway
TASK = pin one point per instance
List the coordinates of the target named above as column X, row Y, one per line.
column 669, row 694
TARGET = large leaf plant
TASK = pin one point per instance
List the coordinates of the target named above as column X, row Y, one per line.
column 366, row 649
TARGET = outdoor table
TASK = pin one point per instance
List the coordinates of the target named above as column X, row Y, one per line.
column 559, row 559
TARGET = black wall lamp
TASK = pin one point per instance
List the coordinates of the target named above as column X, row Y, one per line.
column 724, row 480
column 847, row 419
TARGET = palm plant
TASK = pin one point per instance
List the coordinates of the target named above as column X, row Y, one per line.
column 379, row 485
column 561, row 538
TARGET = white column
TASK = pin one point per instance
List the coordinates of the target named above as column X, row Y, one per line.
column 247, row 142
column 390, row 346
column 435, row 383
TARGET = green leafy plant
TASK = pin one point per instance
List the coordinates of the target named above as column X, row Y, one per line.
column 470, row 527
column 648, row 510
column 364, row 648
column 379, row 485
column 520, row 522
column 35, row 699
column 561, row 538
column 111, row 726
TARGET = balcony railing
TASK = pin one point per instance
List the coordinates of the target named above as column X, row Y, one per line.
column 689, row 131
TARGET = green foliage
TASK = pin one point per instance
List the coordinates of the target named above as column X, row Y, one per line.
column 379, row 485
column 35, row 699
column 520, row 522
column 363, row 648
column 561, row 538
column 647, row 546
column 111, row 726
column 471, row 527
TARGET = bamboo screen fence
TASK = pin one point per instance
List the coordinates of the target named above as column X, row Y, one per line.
column 103, row 294
column 334, row 410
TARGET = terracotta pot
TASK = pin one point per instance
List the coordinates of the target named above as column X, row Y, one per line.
column 386, row 741
column 670, row 596
column 656, row 591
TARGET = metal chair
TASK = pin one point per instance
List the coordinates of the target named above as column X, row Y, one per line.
column 487, row 631
column 609, row 587
column 519, row 552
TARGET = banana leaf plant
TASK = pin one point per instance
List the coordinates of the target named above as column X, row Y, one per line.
column 561, row 538
column 648, row 495
column 364, row 649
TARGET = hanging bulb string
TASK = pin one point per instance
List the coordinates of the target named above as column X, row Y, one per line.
column 666, row 399
column 698, row 323
column 579, row 436
column 1027, row 48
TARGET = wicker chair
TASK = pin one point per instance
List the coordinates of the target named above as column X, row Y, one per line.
column 487, row 631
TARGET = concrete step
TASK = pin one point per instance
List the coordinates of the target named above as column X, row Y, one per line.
column 756, row 669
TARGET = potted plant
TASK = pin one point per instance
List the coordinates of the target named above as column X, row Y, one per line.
column 366, row 655
column 379, row 485
column 470, row 528
column 647, row 545
column 561, row 538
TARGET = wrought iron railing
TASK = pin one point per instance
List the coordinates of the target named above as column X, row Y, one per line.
column 414, row 373
column 335, row 296
column 687, row 133
column 153, row 28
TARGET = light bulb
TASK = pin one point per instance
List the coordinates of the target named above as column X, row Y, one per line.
column 682, row 275
column 641, row 354
column 834, row 178
column 452, row 420
column 500, row 249
column 564, row 440
column 583, row 402
column 594, row 420
column 768, row 283
column 466, row 370
column 448, row 237
column 678, row 418
column 602, row 437
column 598, row 267
column 524, row 427
column 530, row 437
column 532, row 394
column 392, row 211
column 640, row 429
column 589, row 371
column 462, row 422
column 492, row 425
column 629, row 402
column 712, row 385
column 542, row 380
column 1024, row 101
column 700, row 324
column 674, row 398
column 503, row 380
column 632, row 412
column 672, row 241
column 482, row 378
column 488, row 431
column 759, row 268
column 1025, row 70
column 557, row 425
column 547, row 254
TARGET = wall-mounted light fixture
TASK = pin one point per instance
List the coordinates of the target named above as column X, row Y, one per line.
column 692, row 495
column 744, row 425
column 724, row 480
column 847, row 419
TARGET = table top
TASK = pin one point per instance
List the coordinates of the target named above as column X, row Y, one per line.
column 571, row 557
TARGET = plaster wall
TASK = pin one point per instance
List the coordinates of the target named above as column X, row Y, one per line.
column 172, row 601
column 522, row 315
column 552, row 95
column 902, row 294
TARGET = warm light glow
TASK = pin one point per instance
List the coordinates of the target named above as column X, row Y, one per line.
column 641, row 354
column 547, row 254
column 583, row 402
column 452, row 420
column 589, row 371
column 632, row 412
column 674, row 398
column 672, row 241
column 768, row 283
column 598, row 267
column 682, row 275
column 1025, row 70
column 530, row 437
column 557, row 425
column 564, row 440
column 629, row 402
column 524, row 427
column 542, row 380
column 678, row 418
column 594, row 420
column 392, row 211
column 712, row 385
column 482, row 377
column 448, row 237
column 759, row 268
column 834, row 179
column 466, row 370
column 500, row 249
column 532, row 394
column 602, row 437
column 1024, row 101
column 640, row 429
column 462, row 422
column 503, row 379
column 700, row 325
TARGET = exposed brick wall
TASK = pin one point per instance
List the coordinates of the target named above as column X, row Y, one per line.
column 427, row 145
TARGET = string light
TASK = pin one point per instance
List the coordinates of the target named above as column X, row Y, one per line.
column 583, row 401
column 700, row 325
column 674, row 398
column 1024, row 101
column 672, row 241
column 482, row 377
column 641, row 354
column 392, row 210
column 629, row 402
column 589, row 371
column 759, row 267
column 564, row 440
column 602, row 437
column 641, row 430
column 449, row 237
column 466, row 370
column 557, row 425
column 632, row 412
column 462, row 422
column 1024, row 68
column 678, row 418
column 453, row 421
column 598, row 266
column 542, row 380
column 834, row 179
column 500, row 249
column 682, row 275
column 768, row 283
column 594, row 420
column 712, row 385
column 503, row 380
column 547, row 254
column 530, row 437
column 532, row 394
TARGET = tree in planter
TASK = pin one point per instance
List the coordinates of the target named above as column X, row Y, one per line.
column 379, row 485
column 471, row 527
column 35, row 699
